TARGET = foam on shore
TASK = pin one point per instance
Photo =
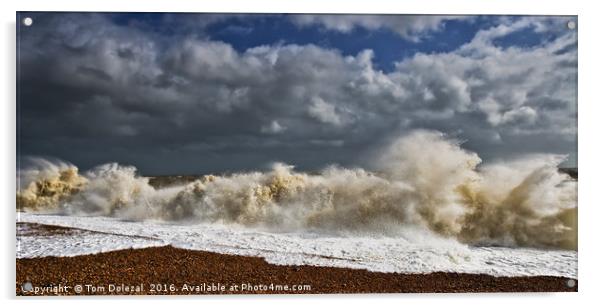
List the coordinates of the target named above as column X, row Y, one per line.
column 421, row 253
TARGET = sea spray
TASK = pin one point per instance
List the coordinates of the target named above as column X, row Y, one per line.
column 47, row 184
column 421, row 181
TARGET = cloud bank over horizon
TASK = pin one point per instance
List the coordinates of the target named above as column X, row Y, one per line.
column 165, row 92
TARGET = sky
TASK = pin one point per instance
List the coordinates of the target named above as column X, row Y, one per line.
column 197, row 93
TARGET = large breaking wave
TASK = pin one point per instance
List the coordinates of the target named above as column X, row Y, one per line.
column 422, row 181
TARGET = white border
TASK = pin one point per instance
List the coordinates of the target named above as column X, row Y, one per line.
column 311, row 6
column 589, row 141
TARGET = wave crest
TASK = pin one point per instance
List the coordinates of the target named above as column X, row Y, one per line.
column 423, row 180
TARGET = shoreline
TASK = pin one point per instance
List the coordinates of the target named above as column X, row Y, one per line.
column 170, row 270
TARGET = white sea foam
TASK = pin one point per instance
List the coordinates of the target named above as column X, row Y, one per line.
column 78, row 242
column 420, row 253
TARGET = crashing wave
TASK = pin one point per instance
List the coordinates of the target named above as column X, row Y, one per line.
column 422, row 180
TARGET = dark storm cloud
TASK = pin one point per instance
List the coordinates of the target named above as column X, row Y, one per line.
column 93, row 90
